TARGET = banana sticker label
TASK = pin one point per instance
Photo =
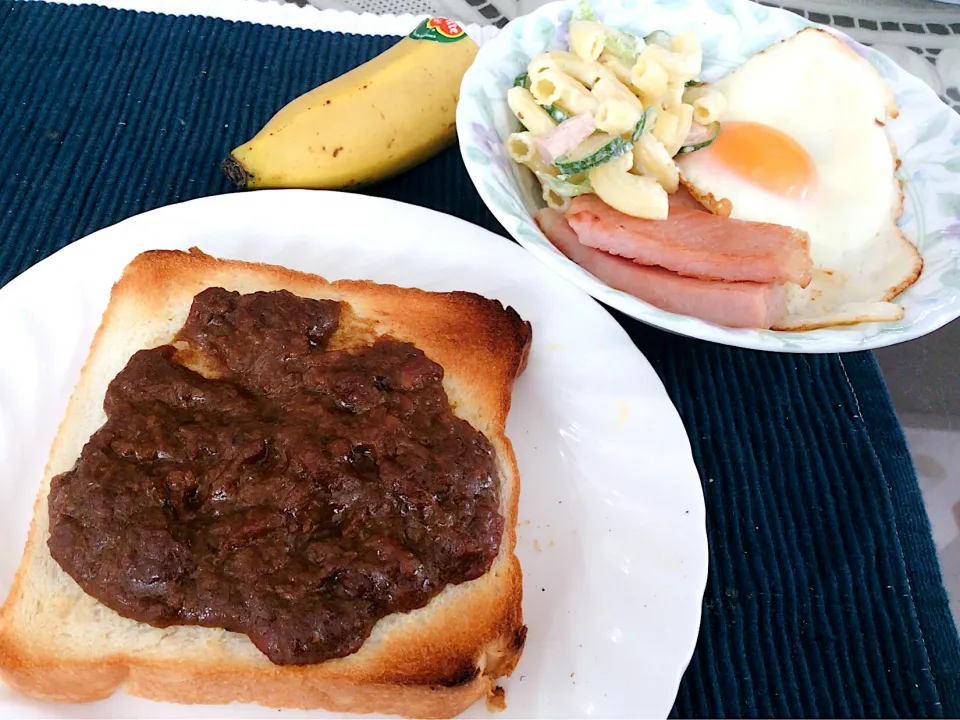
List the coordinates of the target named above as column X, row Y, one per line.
column 438, row 30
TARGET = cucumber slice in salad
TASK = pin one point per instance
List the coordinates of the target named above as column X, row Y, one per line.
column 566, row 188
column 593, row 152
column 700, row 136
column 645, row 121
column 556, row 113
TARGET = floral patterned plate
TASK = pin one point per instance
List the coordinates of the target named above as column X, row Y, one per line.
column 927, row 137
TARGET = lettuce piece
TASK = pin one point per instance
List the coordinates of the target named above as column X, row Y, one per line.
column 624, row 46
column 565, row 187
column 583, row 11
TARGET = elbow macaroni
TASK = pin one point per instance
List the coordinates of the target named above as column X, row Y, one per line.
column 544, row 87
column 587, row 39
column 525, row 107
column 555, row 200
column 650, row 78
column 567, row 63
column 674, row 94
column 619, row 109
column 521, row 147
column 689, row 54
column 708, row 104
column 538, row 165
column 666, row 127
column 613, row 89
column 617, row 117
column 663, row 57
column 551, row 87
column 619, row 69
column 673, row 126
column 635, row 195
column 651, row 158
column 682, row 61
column 684, row 123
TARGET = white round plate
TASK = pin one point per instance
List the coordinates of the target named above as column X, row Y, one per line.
column 926, row 135
column 611, row 535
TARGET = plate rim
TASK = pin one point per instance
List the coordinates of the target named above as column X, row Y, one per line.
column 343, row 201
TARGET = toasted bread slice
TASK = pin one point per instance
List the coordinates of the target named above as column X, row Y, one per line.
column 58, row 643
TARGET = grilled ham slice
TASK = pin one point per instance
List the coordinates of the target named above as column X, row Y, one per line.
column 695, row 243
column 733, row 304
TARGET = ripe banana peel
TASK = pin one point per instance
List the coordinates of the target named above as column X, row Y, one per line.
column 377, row 120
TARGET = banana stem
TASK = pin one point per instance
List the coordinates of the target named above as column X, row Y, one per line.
column 235, row 171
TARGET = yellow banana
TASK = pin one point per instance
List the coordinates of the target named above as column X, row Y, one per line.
column 377, row 120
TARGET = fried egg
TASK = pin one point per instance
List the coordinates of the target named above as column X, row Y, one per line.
column 803, row 143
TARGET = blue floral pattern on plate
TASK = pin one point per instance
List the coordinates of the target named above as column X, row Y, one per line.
column 926, row 135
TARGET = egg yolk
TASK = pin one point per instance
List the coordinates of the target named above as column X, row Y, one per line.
column 766, row 157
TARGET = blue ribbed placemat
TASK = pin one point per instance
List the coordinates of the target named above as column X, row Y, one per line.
column 824, row 596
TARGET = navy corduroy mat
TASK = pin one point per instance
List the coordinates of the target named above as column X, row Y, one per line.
column 824, row 596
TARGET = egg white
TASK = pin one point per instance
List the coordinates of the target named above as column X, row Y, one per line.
column 835, row 105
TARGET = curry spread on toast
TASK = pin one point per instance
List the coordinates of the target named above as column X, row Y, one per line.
column 251, row 478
